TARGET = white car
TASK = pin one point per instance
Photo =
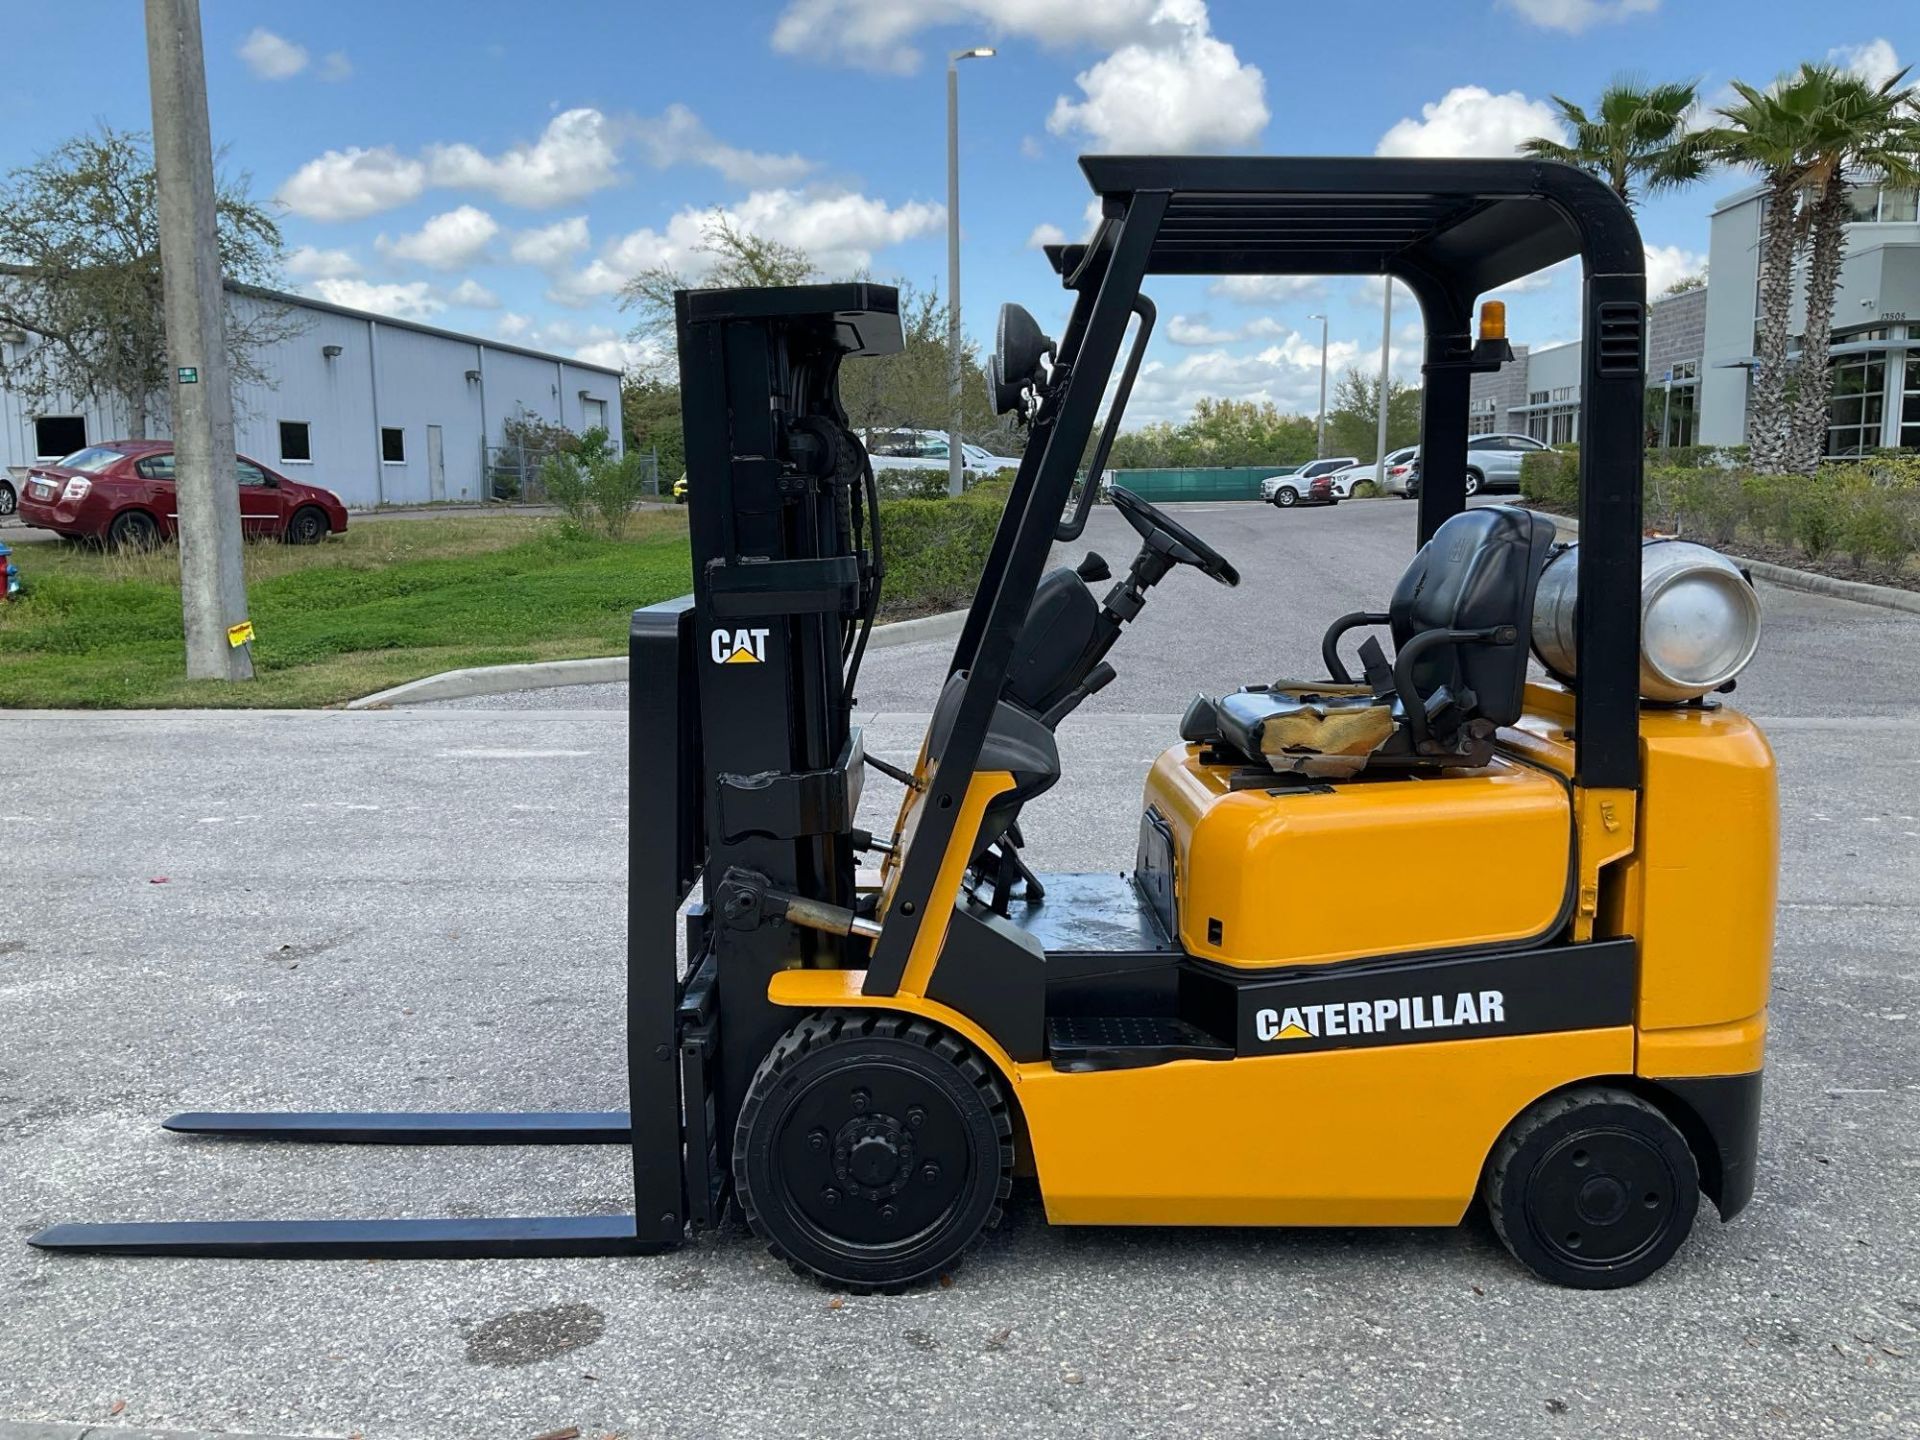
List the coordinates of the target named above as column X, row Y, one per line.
column 927, row 450
column 1400, row 460
column 1288, row 487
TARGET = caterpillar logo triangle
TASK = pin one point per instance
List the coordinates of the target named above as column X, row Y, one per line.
column 739, row 647
column 1292, row 1032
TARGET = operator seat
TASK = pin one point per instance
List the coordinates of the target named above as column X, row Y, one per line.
column 1460, row 619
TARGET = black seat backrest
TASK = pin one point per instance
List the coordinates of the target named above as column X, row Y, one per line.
column 1478, row 572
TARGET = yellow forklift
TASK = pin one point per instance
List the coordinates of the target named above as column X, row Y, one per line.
column 1261, row 1023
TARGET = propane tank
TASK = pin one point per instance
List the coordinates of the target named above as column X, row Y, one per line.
column 1699, row 619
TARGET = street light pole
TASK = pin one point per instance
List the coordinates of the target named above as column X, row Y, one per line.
column 956, row 480
column 213, row 587
column 1320, row 430
column 1386, row 381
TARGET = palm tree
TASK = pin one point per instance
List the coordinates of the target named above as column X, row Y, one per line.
column 1812, row 136
column 1639, row 139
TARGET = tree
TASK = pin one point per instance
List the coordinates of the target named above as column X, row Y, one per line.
column 909, row 391
column 650, row 411
column 1637, row 140
column 739, row 260
column 1686, row 284
column 80, row 274
column 1808, row 135
column 1353, row 417
column 1219, row 432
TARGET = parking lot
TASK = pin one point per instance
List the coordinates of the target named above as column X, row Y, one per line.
column 424, row 909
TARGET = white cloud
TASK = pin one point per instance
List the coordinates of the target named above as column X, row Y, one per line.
column 512, row 326
column 1538, row 280
column 1469, row 120
column 551, row 245
column 414, row 300
column 677, row 136
column 1875, row 62
column 472, row 294
column 1196, row 330
column 574, row 156
column 877, row 34
column 335, row 66
column 272, row 57
column 839, row 231
column 446, row 242
column 1266, row 289
column 577, row 154
column 351, row 183
column 1668, row 263
column 308, row 263
column 1574, row 16
column 1178, row 88
column 1045, row 234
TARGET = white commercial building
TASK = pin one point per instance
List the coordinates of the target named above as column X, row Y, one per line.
column 1700, row 343
column 380, row 411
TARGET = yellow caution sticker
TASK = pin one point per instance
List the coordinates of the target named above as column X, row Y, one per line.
column 241, row 634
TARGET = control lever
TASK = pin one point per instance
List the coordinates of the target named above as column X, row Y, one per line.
column 1098, row 678
column 1093, row 568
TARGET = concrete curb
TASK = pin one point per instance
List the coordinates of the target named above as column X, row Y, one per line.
column 1887, row 597
column 35, row 1430
column 607, row 670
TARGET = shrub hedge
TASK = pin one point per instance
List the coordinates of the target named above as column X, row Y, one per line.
column 1867, row 510
column 936, row 548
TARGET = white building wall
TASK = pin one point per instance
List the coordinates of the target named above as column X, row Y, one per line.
column 1733, row 271
column 386, row 373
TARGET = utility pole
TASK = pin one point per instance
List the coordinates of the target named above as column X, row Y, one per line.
column 1386, row 380
column 956, row 458
column 213, row 591
column 1320, row 429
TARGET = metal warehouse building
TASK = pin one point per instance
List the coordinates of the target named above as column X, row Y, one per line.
column 380, row 411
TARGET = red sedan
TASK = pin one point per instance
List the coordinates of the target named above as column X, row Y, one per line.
column 121, row 493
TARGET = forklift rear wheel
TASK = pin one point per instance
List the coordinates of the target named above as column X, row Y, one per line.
column 872, row 1149
column 1592, row 1188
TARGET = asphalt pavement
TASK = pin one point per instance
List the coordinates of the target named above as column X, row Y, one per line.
column 423, row 909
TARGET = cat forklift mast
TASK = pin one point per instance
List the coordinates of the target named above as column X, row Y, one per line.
column 1261, row 1023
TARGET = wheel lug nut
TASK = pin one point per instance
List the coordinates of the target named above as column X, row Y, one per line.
column 861, row 1100
column 817, row 1139
column 829, row 1197
column 887, row 1212
column 930, row 1172
column 916, row 1117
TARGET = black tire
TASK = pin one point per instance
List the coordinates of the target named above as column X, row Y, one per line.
column 1592, row 1188
column 9, row 501
column 1286, row 497
column 1476, row 482
column 307, row 526
column 930, row 1116
column 134, row 530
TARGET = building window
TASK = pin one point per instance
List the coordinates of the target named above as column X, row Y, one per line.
column 1868, row 203
column 1482, row 416
column 296, row 443
column 1910, row 404
column 57, row 435
column 1858, row 410
column 1673, row 406
column 393, row 445
column 1899, row 206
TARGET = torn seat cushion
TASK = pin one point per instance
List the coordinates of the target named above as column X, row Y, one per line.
column 1309, row 728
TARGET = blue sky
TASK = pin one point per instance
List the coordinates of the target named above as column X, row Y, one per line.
column 499, row 167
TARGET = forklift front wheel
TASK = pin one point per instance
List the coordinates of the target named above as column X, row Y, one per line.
column 1592, row 1188
column 872, row 1150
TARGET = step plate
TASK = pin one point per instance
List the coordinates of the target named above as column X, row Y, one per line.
column 1127, row 1042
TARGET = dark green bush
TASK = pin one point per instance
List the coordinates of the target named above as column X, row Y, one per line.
column 1551, row 478
column 936, row 549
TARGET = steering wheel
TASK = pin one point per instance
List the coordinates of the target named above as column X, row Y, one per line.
column 1170, row 538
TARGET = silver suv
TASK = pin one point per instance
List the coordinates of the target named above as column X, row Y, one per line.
column 1493, row 463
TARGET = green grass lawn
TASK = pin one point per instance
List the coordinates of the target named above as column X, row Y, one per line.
column 389, row 601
